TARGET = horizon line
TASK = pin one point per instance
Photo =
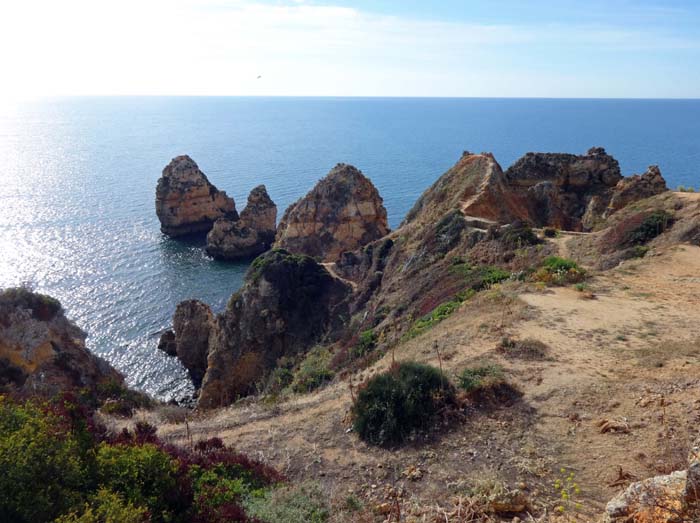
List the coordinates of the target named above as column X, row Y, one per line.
column 367, row 97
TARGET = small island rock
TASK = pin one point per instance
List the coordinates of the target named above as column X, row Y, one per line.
column 186, row 202
column 248, row 236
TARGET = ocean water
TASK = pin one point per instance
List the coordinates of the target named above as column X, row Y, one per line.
column 78, row 177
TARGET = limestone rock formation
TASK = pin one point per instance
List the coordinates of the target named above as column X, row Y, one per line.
column 260, row 214
column 636, row 187
column 186, row 202
column 42, row 352
column 566, row 191
column 249, row 236
column 341, row 213
column 189, row 338
column 558, row 189
column 287, row 304
column 475, row 186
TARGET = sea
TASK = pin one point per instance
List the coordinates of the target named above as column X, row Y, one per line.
column 78, row 178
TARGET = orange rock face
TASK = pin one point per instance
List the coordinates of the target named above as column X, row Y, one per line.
column 341, row 213
column 186, row 203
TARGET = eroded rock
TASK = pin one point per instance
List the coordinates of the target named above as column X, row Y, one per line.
column 248, row 236
column 287, row 303
column 186, row 202
column 42, row 352
column 637, row 187
column 189, row 338
column 341, row 213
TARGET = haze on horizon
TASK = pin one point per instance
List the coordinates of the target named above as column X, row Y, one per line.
column 498, row 48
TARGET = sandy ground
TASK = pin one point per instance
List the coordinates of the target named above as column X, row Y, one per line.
column 626, row 351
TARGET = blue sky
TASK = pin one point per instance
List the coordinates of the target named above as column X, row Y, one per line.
column 509, row 48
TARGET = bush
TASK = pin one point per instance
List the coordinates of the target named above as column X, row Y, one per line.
column 107, row 507
column 313, row 371
column 519, row 235
column 305, row 503
column 559, row 271
column 472, row 378
column 56, row 462
column 486, row 385
column 431, row 319
column 42, row 471
column 527, row 349
column 480, row 277
column 43, row 307
column 651, row 226
column 391, row 406
column 366, row 343
column 143, row 474
column 550, row 232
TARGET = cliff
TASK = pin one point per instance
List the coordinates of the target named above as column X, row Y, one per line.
column 186, row 202
column 42, row 352
column 287, row 303
column 341, row 213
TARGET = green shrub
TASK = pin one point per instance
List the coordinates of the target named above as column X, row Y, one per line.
column 486, row 385
column 313, row 371
column 305, row 503
column 431, row 319
column 107, row 507
column 480, row 277
column 519, row 235
column 651, row 226
column 391, row 406
column 143, row 474
column 42, row 471
column 559, row 271
column 43, row 307
column 365, row 345
column 472, row 378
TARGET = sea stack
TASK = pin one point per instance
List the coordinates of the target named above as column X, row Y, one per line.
column 186, row 202
column 248, row 236
column 343, row 212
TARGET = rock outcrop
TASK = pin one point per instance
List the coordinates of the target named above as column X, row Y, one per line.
column 249, row 236
column 189, row 338
column 42, row 352
column 287, row 304
column 341, row 213
column 637, row 187
column 186, row 202
column 660, row 499
column 566, row 191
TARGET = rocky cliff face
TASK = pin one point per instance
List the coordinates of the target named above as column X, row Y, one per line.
column 249, row 236
column 42, row 352
column 287, row 304
column 637, row 187
column 341, row 213
column 186, row 203
column 566, row 191
column 189, row 339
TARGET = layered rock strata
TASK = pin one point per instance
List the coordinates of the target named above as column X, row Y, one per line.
column 341, row 213
column 248, row 236
column 186, row 202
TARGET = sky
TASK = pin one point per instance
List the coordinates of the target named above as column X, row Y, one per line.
column 448, row 48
